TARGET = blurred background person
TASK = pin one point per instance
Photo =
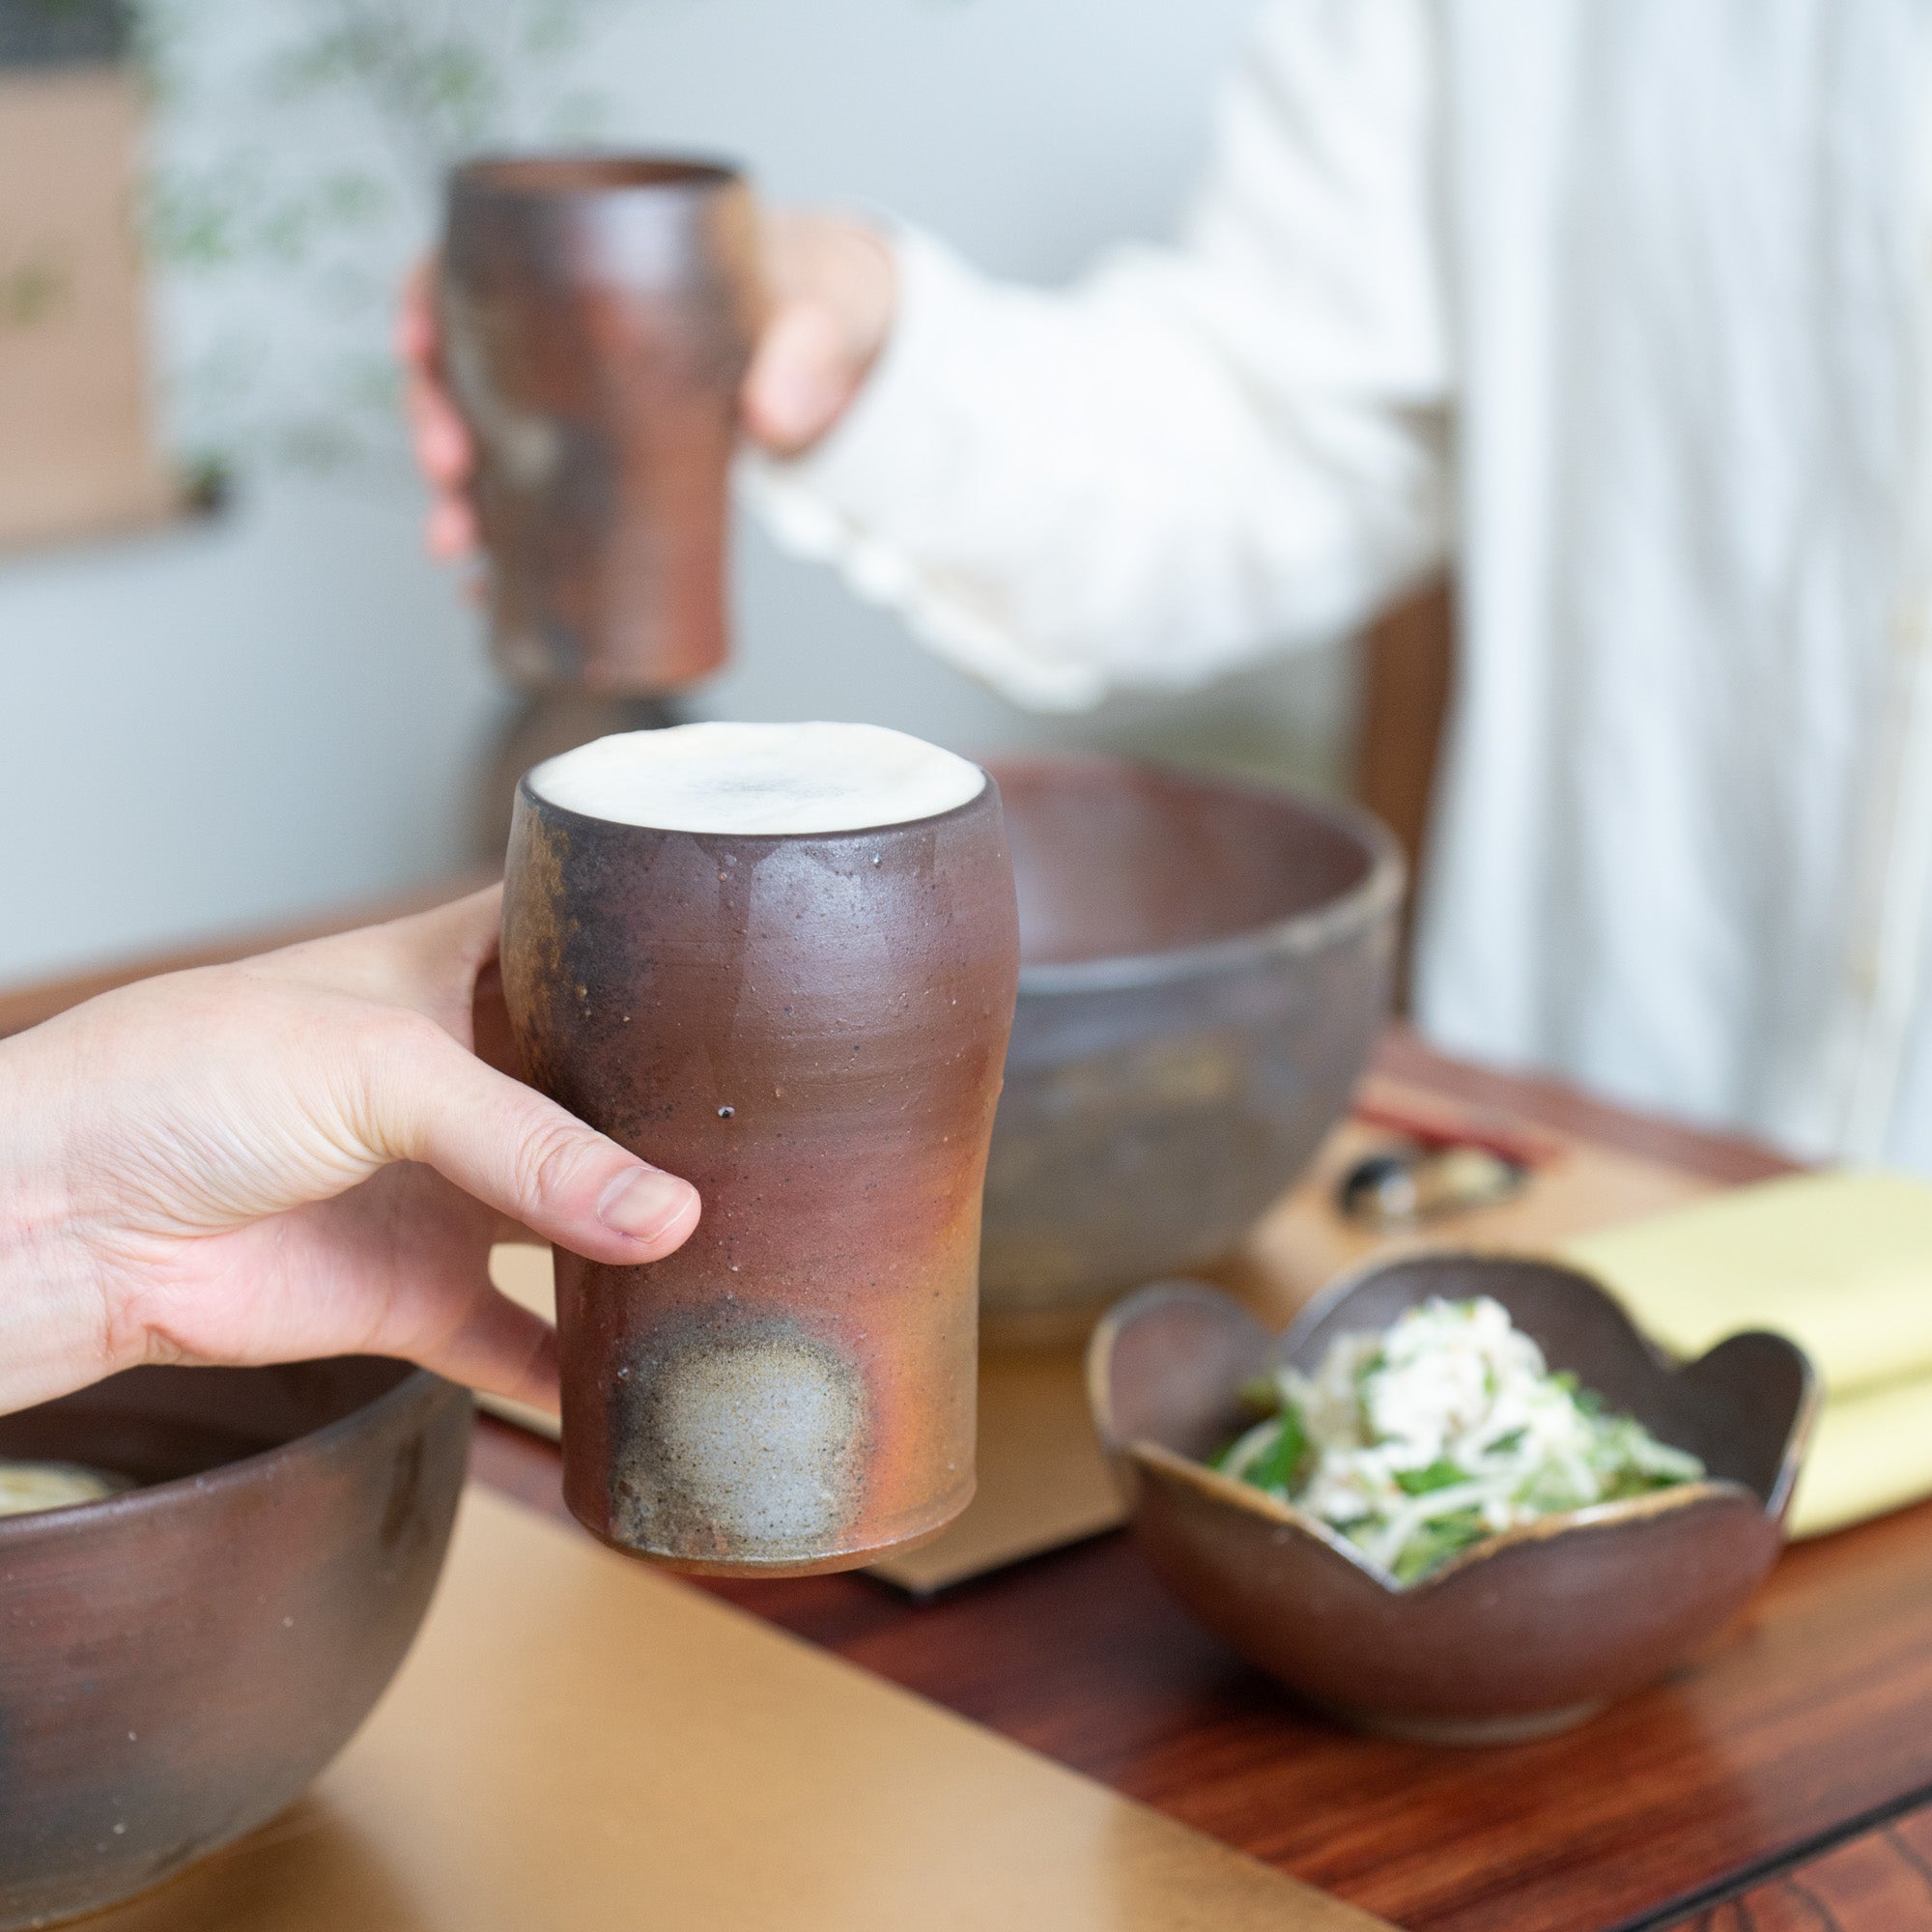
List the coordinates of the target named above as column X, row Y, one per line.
column 1615, row 310
column 1622, row 308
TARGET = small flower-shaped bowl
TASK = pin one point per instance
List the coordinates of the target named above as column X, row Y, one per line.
column 1517, row 1637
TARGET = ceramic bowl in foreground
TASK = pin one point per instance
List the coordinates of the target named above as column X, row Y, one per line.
column 1521, row 1634
column 178, row 1661
column 1204, row 972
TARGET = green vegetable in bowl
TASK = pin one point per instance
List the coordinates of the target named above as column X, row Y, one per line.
column 1446, row 1429
column 28, row 1487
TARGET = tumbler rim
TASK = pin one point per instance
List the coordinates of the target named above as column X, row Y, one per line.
column 563, row 174
column 528, row 793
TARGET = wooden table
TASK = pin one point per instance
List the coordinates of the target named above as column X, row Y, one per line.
column 1782, row 1780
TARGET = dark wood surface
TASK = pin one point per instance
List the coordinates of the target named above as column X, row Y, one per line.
column 1782, row 1779
column 1803, row 1727
column 1882, row 1878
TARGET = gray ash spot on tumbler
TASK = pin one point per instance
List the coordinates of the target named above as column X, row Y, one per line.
column 746, row 1446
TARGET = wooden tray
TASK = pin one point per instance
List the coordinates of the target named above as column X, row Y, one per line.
column 578, row 1743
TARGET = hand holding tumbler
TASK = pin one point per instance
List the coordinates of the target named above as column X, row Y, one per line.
column 597, row 316
column 780, row 961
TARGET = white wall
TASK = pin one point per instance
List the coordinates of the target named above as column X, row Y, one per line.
column 228, row 724
column 279, row 710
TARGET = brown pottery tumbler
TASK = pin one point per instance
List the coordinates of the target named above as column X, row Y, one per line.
column 597, row 318
column 810, row 1028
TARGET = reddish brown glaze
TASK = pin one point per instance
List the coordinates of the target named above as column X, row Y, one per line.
column 177, row 1662
column 1519, row 1636
column 598, row 316
column 811, row 1031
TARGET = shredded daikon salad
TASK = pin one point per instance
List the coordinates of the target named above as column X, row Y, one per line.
column 1445, row 1428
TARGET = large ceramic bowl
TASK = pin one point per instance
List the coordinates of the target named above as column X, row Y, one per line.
column 1205, row 970
column 1519, row 1635
column 178, row 1661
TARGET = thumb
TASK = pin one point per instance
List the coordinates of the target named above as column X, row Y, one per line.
column 507, row 1145
column 801, row 378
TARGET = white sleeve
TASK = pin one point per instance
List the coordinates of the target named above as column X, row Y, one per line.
column 1197, row 454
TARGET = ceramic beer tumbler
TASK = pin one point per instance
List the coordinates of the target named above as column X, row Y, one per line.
column 808, row 1024
column 597, row 316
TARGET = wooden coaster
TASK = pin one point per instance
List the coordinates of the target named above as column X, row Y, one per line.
column 579, row 1744
column 1044, row 1482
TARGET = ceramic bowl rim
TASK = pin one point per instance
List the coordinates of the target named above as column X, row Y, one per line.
column 1545, row 1529
column 1371, row 898
column 1226, row 1490
column 416, row 1384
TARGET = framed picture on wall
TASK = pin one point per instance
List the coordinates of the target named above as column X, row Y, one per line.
column 77, row 448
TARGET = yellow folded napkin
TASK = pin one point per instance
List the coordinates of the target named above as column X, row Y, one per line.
column 1840, row 1262
column 1869, row 1452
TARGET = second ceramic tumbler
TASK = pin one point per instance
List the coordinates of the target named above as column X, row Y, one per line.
column 597, row 317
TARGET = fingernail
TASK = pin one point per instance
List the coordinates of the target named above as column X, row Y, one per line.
column 643, row 1203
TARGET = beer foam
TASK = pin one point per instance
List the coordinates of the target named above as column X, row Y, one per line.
column 759, row 780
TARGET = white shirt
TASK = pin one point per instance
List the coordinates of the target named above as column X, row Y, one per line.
column 1621, row 302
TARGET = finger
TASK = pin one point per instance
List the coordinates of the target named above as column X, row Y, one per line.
column 415, row 317
column 801, row 377
column 397, row 1266
column 449, row 945
column 419, row 1248
column 491, row 1040
column 445, row 450
column 434, row 962
column 429, row 962
column 451, row 529
column 498, row 1347
column 451, row 955
column 428, row 1100
column 419, row 349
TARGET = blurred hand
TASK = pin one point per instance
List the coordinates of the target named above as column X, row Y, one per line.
column 295, row 1157
column 833, row 287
